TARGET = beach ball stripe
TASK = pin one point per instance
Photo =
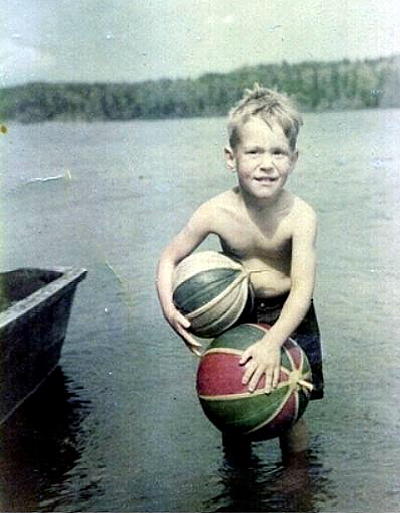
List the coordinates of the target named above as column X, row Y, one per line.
column 211, row 283
column 227, row 402
column 211, row 290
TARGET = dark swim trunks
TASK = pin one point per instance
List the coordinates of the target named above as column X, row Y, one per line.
column 307, row 335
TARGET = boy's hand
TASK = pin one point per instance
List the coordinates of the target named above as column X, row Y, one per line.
column 180, row 324
column 263, row 357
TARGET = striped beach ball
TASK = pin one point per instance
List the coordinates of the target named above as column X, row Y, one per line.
column 227, row 402
column 211, row 290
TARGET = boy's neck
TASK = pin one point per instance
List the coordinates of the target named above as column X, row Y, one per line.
column 265, row 204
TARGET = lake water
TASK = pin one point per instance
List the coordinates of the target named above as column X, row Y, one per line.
column 119, row 426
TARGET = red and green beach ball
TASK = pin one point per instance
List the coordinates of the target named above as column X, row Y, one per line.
column 227, row 402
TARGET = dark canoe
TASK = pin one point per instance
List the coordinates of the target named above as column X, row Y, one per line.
column 35, row 306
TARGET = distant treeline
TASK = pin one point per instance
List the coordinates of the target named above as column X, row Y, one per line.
column 315, row 86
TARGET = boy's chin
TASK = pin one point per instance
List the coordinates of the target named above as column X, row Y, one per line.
column 259, row 194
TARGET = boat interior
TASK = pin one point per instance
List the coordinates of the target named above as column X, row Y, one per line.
column 20, row 283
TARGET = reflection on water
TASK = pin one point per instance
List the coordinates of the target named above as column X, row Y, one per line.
column 251, row 482
column 39, row 445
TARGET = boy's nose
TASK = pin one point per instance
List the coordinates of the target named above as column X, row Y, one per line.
column 266, row 162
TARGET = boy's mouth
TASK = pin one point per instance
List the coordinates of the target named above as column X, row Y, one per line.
column 265, row 179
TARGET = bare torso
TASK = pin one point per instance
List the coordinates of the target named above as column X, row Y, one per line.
column 261, row 240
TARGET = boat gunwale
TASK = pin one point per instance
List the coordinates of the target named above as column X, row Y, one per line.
column 46, row 295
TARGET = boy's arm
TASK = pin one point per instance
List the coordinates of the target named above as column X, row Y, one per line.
column 264, row 356
column 181, row 246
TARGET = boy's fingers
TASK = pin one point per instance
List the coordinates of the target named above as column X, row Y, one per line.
column 183, row 321
column 195, row 351
column 245, row 356
column 191, row 343
column 185, row 335
column 268, row 381
column 254, row 380
column 275, row 379
column 250, row 368
column 193, row 348
column 191, row 340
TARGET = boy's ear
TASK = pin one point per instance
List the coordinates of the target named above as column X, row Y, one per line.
column 230, row 158
column 294, row 158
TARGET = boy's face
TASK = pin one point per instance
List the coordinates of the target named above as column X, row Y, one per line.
column 262, row 159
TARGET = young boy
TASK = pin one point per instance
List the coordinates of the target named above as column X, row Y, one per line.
column 267, row 228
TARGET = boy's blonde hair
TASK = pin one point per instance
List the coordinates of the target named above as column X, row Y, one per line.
column 269, row 106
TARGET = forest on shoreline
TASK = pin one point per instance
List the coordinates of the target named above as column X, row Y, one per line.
column 315, row 87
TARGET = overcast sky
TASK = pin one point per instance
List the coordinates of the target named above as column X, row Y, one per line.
column 133, row 40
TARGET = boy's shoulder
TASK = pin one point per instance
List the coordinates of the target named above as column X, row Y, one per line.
column 221, row 200
column 301, row 207
column 210, row 214
column 303, row 216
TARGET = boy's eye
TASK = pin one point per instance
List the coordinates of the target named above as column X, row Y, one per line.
column 279, row 152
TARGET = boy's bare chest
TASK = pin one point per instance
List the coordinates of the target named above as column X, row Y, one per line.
column 246, row 239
